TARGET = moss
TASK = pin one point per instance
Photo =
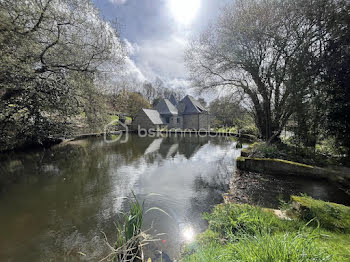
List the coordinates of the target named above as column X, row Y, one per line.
column 274, row 160
column 114, row 137
column 290, row 162
column 252, row 146
column 331, row 216
column 241, row 158
column 246, row 150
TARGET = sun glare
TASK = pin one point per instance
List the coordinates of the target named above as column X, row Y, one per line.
column 185, row 11
column 188, row 234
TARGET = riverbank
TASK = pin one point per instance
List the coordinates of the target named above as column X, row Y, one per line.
column 293, row 153
column 284, row 227
column 278, row 160
column 308, row 230
column 269, row 190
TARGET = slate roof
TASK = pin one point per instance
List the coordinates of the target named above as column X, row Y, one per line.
column 173, row 100
column 189, row 105
column 165, row 107
column 154, row 116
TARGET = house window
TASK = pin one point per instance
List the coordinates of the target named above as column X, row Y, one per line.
column 167, row 120
column 178, row 120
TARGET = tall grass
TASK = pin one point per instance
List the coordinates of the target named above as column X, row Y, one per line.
column 287, row 247
column 251, row 234
column 130, row 237
column 128, row 246
column 133, row 221
column 232, row 221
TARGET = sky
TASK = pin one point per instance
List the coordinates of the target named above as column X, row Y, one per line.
column 157, row 32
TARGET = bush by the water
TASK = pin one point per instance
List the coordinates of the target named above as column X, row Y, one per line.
column 290, row 152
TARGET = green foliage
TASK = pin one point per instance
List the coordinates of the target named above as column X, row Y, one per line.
column 114, row 118
column 93, row 103
column 336, row 73
column 290, row 152
column 249, row 128
column 264, row 150
column 49, row 59
column 128, row 102
column 227, row 112
column 338, row 244
column 288, row 247
column 248, row 233
column 135, row 103
column 331, row 216
column 280, row 247
column 226, row 130
column 267, row 150
column 232, row 221
column 211, row 252
column 132, row 223
column 127, row 245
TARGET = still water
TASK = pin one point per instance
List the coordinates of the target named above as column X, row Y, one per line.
column 55, row 203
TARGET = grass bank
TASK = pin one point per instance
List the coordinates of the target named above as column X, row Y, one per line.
column 249, row 233
column 290, row 152
column 280, row 159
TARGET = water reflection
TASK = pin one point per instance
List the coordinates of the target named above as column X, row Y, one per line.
column 55, row 202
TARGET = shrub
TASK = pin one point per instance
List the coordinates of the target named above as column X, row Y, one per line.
column 250, row 130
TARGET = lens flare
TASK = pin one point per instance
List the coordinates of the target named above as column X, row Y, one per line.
column 188, row 234
column 184, row 11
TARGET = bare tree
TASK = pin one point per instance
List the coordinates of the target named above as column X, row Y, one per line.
column 255, row 48
column 149, row 91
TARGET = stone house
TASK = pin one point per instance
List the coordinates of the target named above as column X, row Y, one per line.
column 185, row 114
column 194, row 115
column 147, row 119
column 169, row 114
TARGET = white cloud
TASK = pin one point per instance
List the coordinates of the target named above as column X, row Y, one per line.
column 163, row 57
column 178, row 83
column 132, row 71
column 132, row 49
column 158, row 58
column 118, row 2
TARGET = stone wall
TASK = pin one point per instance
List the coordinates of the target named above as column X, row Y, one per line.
column 284, row 167
column 143, row 121
column 196, row 121
column 173, row 121
column 204, row 121
column 191, row 121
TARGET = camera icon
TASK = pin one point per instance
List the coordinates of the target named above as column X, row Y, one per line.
column 110, row 135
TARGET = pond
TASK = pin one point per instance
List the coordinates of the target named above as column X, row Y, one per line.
column 55, row 203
